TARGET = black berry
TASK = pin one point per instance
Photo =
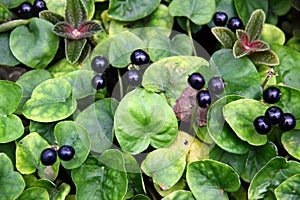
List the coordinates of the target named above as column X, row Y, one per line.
column 220, row 18
column 274, row 115
column 48, row 156
column 216, row 85
column 288, row 122
column 271, row 95
column 196, row 81
column 134, row 77
column 98, row 82
column 99, row 64
column 39, row 5
column 235, row 23
column 203, row 98
column 261, row 125
column 139, row 57
column 25, row 10
column 66, row 152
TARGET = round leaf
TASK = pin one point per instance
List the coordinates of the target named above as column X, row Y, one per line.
column 141, row 110
column 6, row 57
column 291, row 142
column 209, row 179
column 11, row 128
column 39, row 44
column 165, row 166
column 50, row 101
column 12, row 183
column 35, row 193
column 272, row 34
column 98, row 120
column 9, row 100
column 74, row 135
column 28, row 154
column 180, row 194
column 289, row 189
column 239, row 118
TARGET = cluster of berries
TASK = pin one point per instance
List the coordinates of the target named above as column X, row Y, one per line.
column 27, row 10
column 49, row 155
column 273, row 115
column 220, row 19
column 216, row 86
column 99, row 64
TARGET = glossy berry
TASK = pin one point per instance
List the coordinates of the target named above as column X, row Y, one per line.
column 48, row 156
column 25, row 10
column 98, row 82
column 288, row 122
column 216, row 85
column 235, row 23
column 196, row 81
column 99, row 64
column 220, row 18
column 261, row 125
column 271, row 95
column 134, row 77
column 203, row 98
column 39, row 5
column 66, row 152
column 274, row 115
column 139, row 57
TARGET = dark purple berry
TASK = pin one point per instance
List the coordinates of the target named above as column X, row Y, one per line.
column 203, row 98
column 98, row 82
column 271, row 95
column 48, row 156
column 139, row 57
column 274, row 115
column 261, row 125
column 235, row 23
column 134, row 77
column 220, row 18
column 196, row 81
column 216, row 85
column 25, row 10
column 288, row 122
column 66, row 152
column 39, row 5
column 99, row 64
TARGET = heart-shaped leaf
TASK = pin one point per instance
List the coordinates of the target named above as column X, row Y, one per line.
column 255, row 24
column 28, row 153
column 103, row 180
column 165, row 166
column 277, row 170
column 198, row 11
column 180, row 194
column 50, row 101
column 272, row 34
column 239, row 118
column 289, row 188
column 12, row 183
column 98, row 120
column 63, row 67
column 209, row 179
column 135, row 114
column 225, row 36
column 6, row 57
column 289, row 141
column 74, row 49
column 35, row 193
column 38, row 41
column 268, row 57
column 131, row 10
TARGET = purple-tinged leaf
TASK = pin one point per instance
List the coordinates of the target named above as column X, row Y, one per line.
column 88, row 28
column 238, row 50
column 268, row 57
column 73, row 49
column 258, row 46
column 225, row 36
column 63, row 29
column 51, row 16
column 75, row 12
column 255, row 24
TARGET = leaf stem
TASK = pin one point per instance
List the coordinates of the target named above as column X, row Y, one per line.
column 188, row 28
column 270, row 73
column 121, row 84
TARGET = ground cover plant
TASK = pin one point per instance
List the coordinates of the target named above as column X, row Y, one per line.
column 171, row 99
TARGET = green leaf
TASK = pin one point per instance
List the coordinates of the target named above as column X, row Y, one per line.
column 255, row 24
column 74, row 49
column 239, row 118
column 98, row 120
column 198, row 11
column 162, row 47
column 238, row 50
column 63, row 67
column 289, row 188
column 104, row 180
column 7, row 26
column 220, row 131
column 75, row 12
column 6, row 57
column 28, row 154
column 131, row 10
column 180, row 194
column 38, row 41
column 51, row 16
column 225, row 36
column 11, row 4
column 169, row 75
column 209, row 179
column 268, row 57
column 140, row 197
column 72, row 134
column 138, row 111
column 58, row 6
column 46, row 130
column 9, row 100
column 271, row 176
column 240, row 75
column 12, row 183
column 180, row 185
column 293, row 43
column 64, row 29
column 245, row 8
column 165, row 166
column 34, row 193
column 272, row 34
column 280, row 7
column 11, row 128
column 50, row 101
column 289, row 58
column 289, row 141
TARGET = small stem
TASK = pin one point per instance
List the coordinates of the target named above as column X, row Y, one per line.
column 121, row 84
column 270, row 73
column 188, row 28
